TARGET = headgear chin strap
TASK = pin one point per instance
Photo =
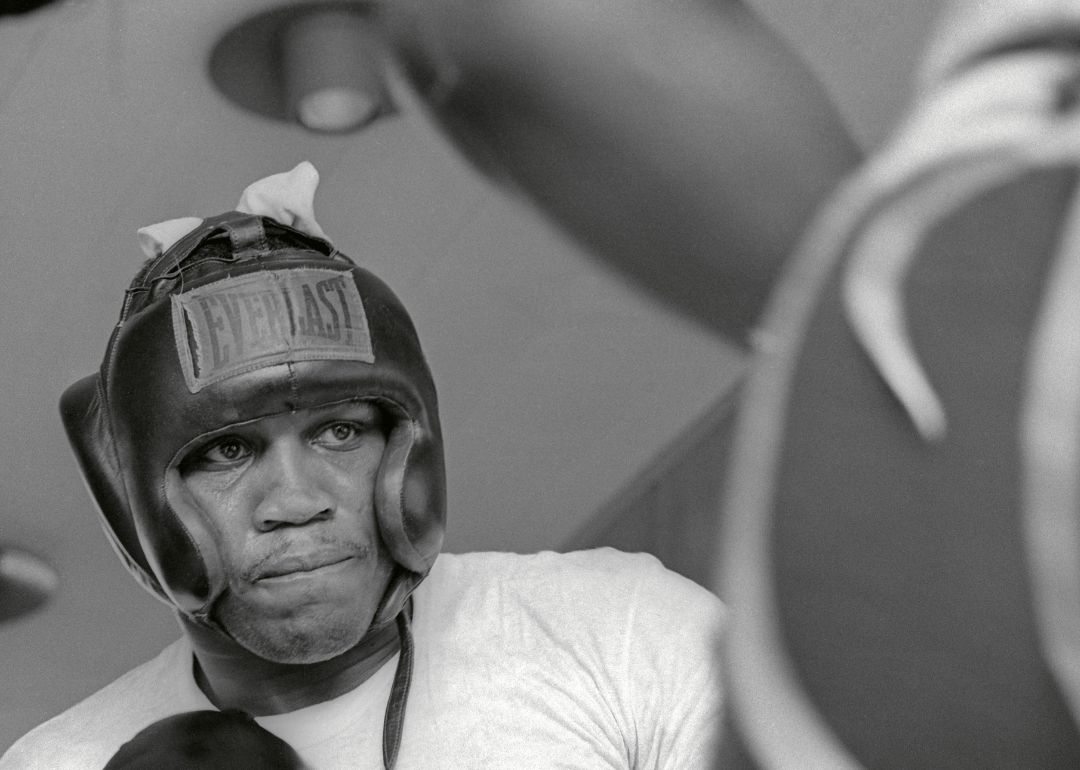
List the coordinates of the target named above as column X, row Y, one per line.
column 244, row 318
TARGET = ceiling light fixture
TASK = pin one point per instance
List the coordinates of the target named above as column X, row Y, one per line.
column 316, row 64
column 19, row 7
column 26, row 583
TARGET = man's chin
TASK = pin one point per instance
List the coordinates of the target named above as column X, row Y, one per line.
column 306, row 617
column 294, row 652
column 296, row 640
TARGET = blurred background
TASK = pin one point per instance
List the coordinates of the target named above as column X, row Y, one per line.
column 567, row 396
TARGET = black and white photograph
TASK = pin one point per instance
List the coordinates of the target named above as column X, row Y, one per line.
column 540, row 384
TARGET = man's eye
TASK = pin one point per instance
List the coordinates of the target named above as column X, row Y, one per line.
column 340, row 435
column 224, row 452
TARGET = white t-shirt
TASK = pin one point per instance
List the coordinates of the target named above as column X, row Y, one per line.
column 595, row 659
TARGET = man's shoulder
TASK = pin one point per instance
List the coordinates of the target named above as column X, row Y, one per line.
column 628, row 647
column 86, row 735
column 597, row 578
column 605, row 565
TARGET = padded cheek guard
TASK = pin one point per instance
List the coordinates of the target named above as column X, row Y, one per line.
column 153, row 398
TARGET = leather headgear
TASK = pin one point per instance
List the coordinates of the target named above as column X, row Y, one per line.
column 241, row 319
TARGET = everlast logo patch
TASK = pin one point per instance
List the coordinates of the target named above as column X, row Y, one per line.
column 251, row 321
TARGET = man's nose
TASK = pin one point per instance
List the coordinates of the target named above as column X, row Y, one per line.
column 295, row 490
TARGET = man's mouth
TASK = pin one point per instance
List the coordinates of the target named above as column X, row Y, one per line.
column 299, row 565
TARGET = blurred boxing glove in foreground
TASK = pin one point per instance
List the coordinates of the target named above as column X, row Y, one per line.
column 680, row 141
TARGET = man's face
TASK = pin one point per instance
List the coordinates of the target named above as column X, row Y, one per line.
column 291, row 498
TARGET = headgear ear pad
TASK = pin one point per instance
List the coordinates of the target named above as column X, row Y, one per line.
column 201, row 347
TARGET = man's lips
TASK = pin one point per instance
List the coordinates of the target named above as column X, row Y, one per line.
column 294, row 565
